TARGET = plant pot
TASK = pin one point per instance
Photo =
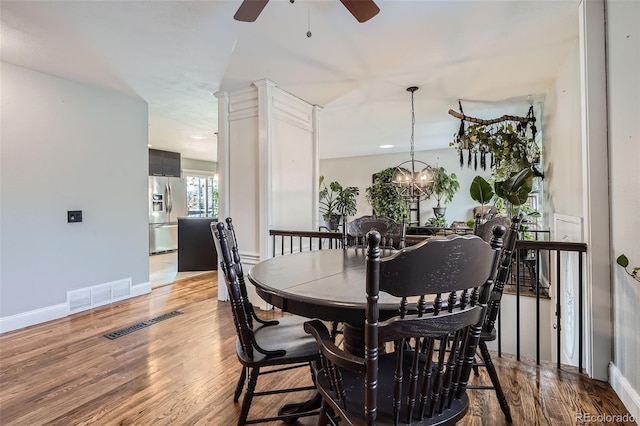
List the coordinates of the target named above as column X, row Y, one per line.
column 332, row 222
column 439, row 211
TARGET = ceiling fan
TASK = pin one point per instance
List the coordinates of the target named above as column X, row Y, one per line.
column 362, row 10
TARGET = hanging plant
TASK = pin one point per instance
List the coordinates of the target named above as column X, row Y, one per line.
column 501, row 148
column 505, row 144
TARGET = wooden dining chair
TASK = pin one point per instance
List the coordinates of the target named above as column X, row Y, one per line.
column 488, row 333
column 442, row 286
column 262, row 347
column 393, row 234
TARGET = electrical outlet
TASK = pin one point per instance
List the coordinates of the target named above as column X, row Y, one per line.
column 74, row 216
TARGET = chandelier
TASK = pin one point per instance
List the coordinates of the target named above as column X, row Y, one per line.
column 413, row 178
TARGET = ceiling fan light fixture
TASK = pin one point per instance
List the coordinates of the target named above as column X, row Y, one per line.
column 362, row 10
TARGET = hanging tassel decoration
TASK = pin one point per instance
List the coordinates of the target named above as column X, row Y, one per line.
column 461, row 158
column 475, row 161
column 461, row 130
column 469, row 160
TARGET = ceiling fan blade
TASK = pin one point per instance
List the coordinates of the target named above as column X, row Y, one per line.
column 249, row 10
column 362, row 10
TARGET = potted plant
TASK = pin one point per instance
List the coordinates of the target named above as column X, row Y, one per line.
column 384, row 197
column 445, row 186
column 437, row 221
column 514, row 191
column 481, row 191
column 336, row 201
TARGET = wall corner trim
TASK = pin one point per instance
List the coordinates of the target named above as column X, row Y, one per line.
column 140, row 289
column 627, row 394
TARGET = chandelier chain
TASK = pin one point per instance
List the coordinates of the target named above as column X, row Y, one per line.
column 413, row 123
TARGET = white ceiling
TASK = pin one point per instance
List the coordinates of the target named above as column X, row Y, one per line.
column 498, row 56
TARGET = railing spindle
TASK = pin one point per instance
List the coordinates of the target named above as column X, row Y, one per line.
column 558, row 309
column 580, row 311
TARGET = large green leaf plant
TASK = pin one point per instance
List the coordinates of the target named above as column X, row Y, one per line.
column 336, row 200
column 384, row 197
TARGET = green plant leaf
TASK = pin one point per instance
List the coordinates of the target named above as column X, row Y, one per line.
column 516, row 189
column 481, row 190
column 622, row 260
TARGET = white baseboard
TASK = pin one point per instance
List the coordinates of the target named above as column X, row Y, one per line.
column 140, row 289
column 627, row 394
column 38, row 316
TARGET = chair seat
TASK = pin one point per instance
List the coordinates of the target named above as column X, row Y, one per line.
column 354, row 389
column 289, row 335
column 488, row 336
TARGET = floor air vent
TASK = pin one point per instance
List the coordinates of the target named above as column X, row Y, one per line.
column 138, row 326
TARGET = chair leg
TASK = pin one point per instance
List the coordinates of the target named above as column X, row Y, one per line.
column 323, row 418
column 240, row 385
column 248, row 396
column 476, row 372
column 491, row 369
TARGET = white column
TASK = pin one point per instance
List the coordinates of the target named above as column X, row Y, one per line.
column 223, row 174
column 268, row 158
column 599, row 327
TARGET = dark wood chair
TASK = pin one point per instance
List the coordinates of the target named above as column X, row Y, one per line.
column 484, row 228
column 262, row 347
column 354, row 235
column 443, row 285
column 485, row 212
column 393, row 234
column 488, row 333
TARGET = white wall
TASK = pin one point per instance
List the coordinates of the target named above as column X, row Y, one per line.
column 69, row 146
column 358, row 171
column 623, row 62
column 191, row 164
column 561, row 126
column 509, row 330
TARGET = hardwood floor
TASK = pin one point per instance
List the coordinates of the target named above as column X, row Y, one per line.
column 183, row 370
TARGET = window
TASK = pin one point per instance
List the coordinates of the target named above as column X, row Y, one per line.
column 202, row 195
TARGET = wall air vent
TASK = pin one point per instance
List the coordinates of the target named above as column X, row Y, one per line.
column 98, row 295
column 79, row 300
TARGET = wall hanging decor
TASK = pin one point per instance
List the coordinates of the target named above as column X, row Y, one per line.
column 506, row 143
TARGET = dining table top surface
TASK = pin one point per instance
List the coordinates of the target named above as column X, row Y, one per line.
column 325, row 284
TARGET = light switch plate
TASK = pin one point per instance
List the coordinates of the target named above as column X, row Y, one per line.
column 74, row 216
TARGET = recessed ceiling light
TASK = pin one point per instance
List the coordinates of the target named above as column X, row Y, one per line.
column 149, row 145
column 386, row 146
column 198, row 137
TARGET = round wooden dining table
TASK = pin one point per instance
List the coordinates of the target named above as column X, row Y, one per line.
column 324, row 284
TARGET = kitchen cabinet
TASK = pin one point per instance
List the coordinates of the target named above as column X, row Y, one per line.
column 196, row 250
column 164, row 163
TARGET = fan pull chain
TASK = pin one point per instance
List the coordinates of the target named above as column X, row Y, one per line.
column 309, row 21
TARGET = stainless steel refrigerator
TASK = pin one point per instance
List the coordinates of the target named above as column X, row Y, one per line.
column 167, row 202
